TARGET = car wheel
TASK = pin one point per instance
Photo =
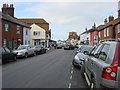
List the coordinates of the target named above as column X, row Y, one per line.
column 26, row 55
column 82, row 71
column 45, row 51
column 92, row 84
column 34, row 53
column 15, row 58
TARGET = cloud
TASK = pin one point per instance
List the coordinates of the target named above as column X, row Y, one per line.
column 65, row 17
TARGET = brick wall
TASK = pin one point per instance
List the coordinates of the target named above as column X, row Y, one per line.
column 11, row 34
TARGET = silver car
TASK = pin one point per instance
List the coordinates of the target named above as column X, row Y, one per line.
column 24, row 51
column 102, row 66
column 80, row 56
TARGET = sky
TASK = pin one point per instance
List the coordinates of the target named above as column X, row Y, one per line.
column 64, row 17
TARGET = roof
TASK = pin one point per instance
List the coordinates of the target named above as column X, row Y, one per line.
column 33, row 20
column 115, row 21
column 92, row 29
column 75, row 33
column 12, row 19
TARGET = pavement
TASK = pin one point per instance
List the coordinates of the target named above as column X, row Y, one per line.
column 53, row 69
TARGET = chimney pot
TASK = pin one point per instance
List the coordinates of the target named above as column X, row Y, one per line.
column 111, row 18
column 8, row 9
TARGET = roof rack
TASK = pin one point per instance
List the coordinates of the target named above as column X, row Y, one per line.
column 116, row 40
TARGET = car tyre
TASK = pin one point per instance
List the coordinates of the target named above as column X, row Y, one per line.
column 15, row 58
column 26, row 55
column 82, row 71
column 92, row 84
column 34, row 53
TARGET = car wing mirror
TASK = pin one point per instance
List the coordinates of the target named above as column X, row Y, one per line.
column 86, row 53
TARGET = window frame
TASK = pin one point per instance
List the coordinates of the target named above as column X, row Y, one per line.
column 18, row 31
column 119, row 28
column 6, row 23
column 105, row 32
column 107, row 52
column 97, row 50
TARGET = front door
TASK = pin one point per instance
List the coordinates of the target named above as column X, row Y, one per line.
column 10, row 45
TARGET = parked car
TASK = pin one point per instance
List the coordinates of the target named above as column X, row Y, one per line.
column 69, row 47
column 7, row 55
column 40, row 49
column 79, row 58
column 102, row 66
column 59, row 46
column 24, row 51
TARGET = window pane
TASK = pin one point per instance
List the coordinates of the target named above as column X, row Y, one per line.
column 18, row 29
column 104, row 52
column 7, row 50
column 97, row 50
column 6, row 27
column 118, row 28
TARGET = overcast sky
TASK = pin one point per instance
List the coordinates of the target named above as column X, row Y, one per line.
column 65, row 17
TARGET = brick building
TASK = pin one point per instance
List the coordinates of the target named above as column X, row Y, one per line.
column 12, row 28
column 72, row 38
column 41, row 23
column 94, row 34
column 72, row 35
column 38, row 21
column 111, row 30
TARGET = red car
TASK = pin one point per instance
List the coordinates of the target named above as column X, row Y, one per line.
column 69, row 47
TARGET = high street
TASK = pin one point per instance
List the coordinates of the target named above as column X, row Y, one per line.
column 50, row 70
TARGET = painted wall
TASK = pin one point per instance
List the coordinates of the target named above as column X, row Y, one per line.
column 83, row 37
column 26, row 36
column 36, row 28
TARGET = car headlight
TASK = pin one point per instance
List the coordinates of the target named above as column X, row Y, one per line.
column 19, row 53
column 82, row 59
column 76, row 57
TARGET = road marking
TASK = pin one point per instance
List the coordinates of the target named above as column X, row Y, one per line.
column 69, row 85
column 71, row 77
column 88, row 82
column 72, row 72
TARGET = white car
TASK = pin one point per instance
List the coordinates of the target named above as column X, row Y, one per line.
column 24, row 51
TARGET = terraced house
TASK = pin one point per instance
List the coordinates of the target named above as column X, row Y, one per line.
column 41, row 24
column 13, row 29
column 111, row 30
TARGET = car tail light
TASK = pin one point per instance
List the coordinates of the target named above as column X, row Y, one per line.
column 110, row 72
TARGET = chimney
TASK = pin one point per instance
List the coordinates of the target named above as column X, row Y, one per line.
column 111, row 18
column 119, row 9
column 105, row 21
column 8, row 9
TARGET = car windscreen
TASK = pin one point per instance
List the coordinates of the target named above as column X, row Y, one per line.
column 21, row 47
column 38, row 46
column 89, row 49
